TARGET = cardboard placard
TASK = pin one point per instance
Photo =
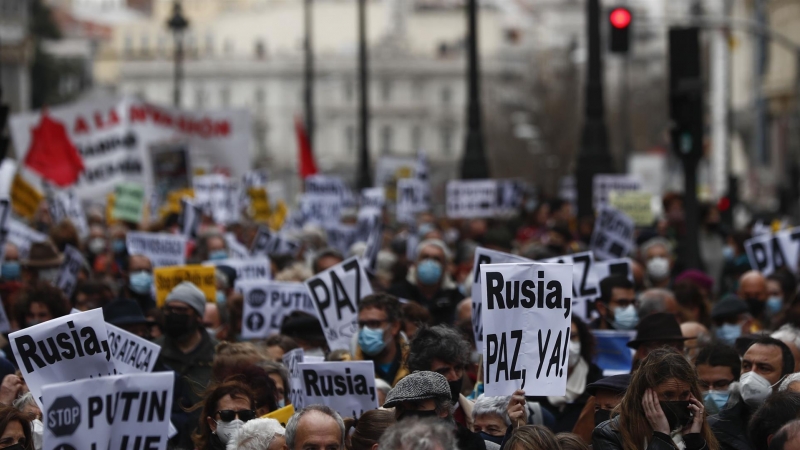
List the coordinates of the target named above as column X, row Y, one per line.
column 161, row 249
column 166, row 278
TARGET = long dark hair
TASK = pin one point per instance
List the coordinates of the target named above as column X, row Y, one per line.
column 368, row 429
column 212, row 396
column 9, row 414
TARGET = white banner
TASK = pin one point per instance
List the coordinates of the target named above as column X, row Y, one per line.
column 485, row 256
column 770, row 252
column 23, row 237
column 585, row 282
column 161, row 249
column 620, row 266
column 68, row 277
column 120, row 412
column 62, row 349
column 116, row 138
column 269, row 243
column 413, row 197
column 373, row 198
column 67, row 205
column 603, row 184
column 267, row 303
column 346, row 387
column 246, row 269
column 325, row 186
column 189, row 218
column 341, row 236
column 294, row 392
column 336, row 293
column 320, row 209
column 527, row 318
column 131, row 353
column 217, row 196
column 235, row 248
column 613, row 234
column 471, row 199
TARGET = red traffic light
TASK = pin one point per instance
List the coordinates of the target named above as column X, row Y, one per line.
column 620, row 18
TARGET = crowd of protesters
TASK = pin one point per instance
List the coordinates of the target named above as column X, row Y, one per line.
column 716, row 348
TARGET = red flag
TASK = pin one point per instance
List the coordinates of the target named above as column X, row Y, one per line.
column 306, row 165
column 52, row 154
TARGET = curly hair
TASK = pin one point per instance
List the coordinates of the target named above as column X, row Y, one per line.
column 44, row 293
column 440, row 342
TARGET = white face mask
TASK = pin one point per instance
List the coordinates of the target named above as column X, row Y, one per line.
column 574, row 353
column 37, row 431
column 227, row 431
column 658, row 268
column 755, row 389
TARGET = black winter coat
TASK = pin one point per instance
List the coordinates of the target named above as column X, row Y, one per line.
column 606, row 436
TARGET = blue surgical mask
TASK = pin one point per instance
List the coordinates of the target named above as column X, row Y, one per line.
column 221, row 297
column 728, row 253
column 729, row 332
column 429, row 272
column 488, row 437
column 774, row 305
column 218, row 255
column 282, row 403
column 371, row 341
column 118, row 246
column 718, row 398
column 625, row 318
column 141, row 282
column 10, row 270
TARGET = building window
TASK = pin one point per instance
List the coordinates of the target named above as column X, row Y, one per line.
column 416, row 138
column 386, row 139
column 447, row 140
column 386, row 90
column 350, row 139
column 447, row 95
column 199, row 97
column 225, row 97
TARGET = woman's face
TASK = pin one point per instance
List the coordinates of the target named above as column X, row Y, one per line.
column 38, row 313
column 673, row 390
column 12, row 435
column 490, row 424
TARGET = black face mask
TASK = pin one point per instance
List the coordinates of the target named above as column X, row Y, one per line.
column 455, row 389
column 177, row 326
column 601, row 415
column 678, row 414
column 431, row 414
column 756, row 306
column 16, row 446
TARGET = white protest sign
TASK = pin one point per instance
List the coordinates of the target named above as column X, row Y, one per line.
column 585, row 283
column 161, row 249
column 413, row 197
column 336, row 293
column 373, row 198
column 246, row 269
column 320, row 209
column 769, row 252
column 5, row 213
column 189, row 218
column 269, row 243
column 613, row 234
column 346, row 387
column 294, row 392
column 603, row 184
column 66, row 348
column 341, row 236
column 267, row 303
column 620, row 266
column 5, row 324
column 485, row 256
column 325, row 186
column 374, row 244
column 68, row 277
column 217, row 197
column 131, row 353
column 23, row 237
column 510, row 194
column 236, row 249
column 527, row 318
column 66, row 205
column 471, row 199
column 121, row 412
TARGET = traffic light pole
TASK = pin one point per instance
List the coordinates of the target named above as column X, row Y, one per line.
column 473, row 164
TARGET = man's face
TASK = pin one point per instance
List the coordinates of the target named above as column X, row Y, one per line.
column 12, row 253
column 215, row 243
column 453, row 372
column 655, row 252
column 491, row 424
column 139, row 263
column 765, row 360
column 714, row 378
column 620, row 298
column 608, row 400
column 326, row 262
column 426, row 405
column 376, row 318
column 753, row 286
column 317, row 431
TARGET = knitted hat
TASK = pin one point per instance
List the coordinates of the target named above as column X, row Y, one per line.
column 190, row 294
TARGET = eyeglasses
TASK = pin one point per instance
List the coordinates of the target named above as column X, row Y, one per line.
column 717, row 385
column 625, row 302
column 371, row 323
column 228, row 415
column 171, row 309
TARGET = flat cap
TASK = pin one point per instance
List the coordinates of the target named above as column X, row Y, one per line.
column 728, row 306
column 614, row 383
column 421, row 385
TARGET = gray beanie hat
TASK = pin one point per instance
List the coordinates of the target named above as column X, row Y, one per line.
column 420, row 385
column 190, row 294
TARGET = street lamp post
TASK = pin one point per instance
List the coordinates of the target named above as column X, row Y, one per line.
column 309, row 73
column 593, row 156
column 364, row 178
column 177, row 24
column 473, row 164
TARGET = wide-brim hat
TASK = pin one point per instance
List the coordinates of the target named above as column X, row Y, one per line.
column 657, row 327
column 43, row 254
column 124, row 312
column 614, row 383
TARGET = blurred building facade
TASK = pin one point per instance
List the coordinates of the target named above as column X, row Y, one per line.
column 16, row 53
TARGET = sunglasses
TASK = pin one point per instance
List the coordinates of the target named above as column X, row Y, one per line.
column 228, row 415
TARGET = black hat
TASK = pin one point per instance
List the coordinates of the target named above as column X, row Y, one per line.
column 614, row 383
column 230, row 274
column 657, row 327
column 730, row 305
column 124, row 312
column 302, row 326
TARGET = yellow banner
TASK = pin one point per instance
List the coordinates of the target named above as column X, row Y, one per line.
column 25, row 198
column 281, row 415
column 278, row 216
column 259, row 204
column 166, row 278
column 173, row 203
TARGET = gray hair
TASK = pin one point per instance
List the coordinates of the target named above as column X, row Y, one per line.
column 440, row 342
column 491, row 405
column 413, row 434
column 653, row 301
column 654, row 242
column 435, row 242
column 788, row 381
column 21, row 402
column 788, row 333
column 294, row 422
column 256, row 434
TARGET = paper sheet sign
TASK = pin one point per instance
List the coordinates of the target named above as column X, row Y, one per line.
column 635, row 204
column 131, row 353
column 267, row 303
column 68, row 277
column 604, row 184
column 769, row 252
column 613, row 234
column 166, row 278
column 246, row 269
column 585, row 287
column 336, row 293
column 527, row 318
column 25, row 198
column 128, row 202
column 23, row 237
column 161, row 249
column 347, row 387
column 294, row 392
